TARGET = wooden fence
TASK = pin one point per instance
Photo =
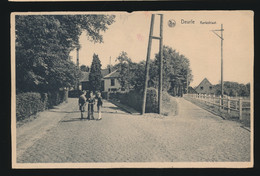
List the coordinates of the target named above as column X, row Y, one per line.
column 239, row 105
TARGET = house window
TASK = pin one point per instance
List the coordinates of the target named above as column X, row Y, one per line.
column 112, row 82
column 210, row 87
column 201, row 88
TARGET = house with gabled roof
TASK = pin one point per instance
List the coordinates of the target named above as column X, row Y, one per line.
column 84, row 81
column 205, row 87
column 111, row 82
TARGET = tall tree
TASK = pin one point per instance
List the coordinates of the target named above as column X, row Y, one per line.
column 176, row 71
column 233, row 89
column 124, row 69
column 43, row 44
column 95, row 75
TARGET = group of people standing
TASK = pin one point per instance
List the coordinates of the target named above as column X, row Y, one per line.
column 90, row 101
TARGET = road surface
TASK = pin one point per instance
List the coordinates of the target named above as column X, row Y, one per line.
column 195, row 135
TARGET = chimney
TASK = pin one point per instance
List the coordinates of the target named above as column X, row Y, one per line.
column 109, row 68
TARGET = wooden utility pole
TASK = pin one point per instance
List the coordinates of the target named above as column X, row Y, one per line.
column 221, row 48
column 148, row 60
column 78, row 67
column 147, row 63
column 222, row 84
column 160, row 66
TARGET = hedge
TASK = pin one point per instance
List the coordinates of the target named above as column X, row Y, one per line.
column 30, row 103
column 134, row 99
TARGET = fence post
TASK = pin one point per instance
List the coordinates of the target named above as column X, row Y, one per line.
column 236, row 104
column 240, row 108
column 228, row 104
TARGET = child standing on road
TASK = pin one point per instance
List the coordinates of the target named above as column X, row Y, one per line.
column 99, row 105
column 82, row 103
column 91, row 102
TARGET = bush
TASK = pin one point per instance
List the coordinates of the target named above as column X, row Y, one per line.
column 170, row 105
column 30, row 103
column 151, row 101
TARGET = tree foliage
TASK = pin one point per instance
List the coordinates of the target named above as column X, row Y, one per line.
column 131, row 75
column 233, row 89
column 125, row 75
column 43, row 44
column 84, row 68
column 95, row 75
column 176, row 70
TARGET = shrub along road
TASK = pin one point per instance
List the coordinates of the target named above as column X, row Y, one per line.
column 194, row 135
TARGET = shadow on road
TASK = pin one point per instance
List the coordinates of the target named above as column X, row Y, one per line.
column 74, row 119
column 109, row 112
column 65, row 111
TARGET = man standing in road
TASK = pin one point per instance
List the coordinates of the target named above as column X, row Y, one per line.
column 91, row 102
column 99, row 104
column 82, row 103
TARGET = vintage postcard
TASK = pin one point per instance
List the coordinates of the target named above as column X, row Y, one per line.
column 148, row 89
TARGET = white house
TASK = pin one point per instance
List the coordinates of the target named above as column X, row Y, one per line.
column 111, row 82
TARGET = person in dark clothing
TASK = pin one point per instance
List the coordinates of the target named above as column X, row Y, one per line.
column 82, row 103
column 91, row 102
column 99, row 105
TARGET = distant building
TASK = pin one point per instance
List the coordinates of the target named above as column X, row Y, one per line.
column 205, row 87
column 111, row 82
column 191, row 90
column 84, row 81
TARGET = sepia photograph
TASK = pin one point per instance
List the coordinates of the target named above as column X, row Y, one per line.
column 147, row 89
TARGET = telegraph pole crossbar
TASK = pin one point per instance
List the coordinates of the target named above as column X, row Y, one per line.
column 158, row 38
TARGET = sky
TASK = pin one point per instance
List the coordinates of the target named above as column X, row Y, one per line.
column 196, row 41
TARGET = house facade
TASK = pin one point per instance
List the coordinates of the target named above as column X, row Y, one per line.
column 111, row 82
column 84, row 81
column 205, row 87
